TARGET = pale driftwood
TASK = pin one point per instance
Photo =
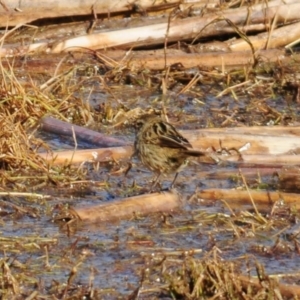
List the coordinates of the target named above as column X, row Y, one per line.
column 262, row 144
column 178, row 29
column 155, row 59
column 129, row 207
column 279, row 37
column 15, row 12
column 53, row 125
column 292, row 131
column 224, row 60
column 264, row 160
column 222, row 172
column 181, row 29
column 242, row 197
column 88, row 155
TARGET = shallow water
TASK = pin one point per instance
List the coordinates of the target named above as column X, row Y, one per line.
column 112, row 256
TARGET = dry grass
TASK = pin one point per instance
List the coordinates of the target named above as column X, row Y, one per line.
column 23, row 104
column 168, row 273
column 203, row 273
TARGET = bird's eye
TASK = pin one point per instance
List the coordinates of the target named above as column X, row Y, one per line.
column 160, row 128
column 139, row 124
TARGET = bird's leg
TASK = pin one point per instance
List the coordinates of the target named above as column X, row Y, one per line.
column 173, row 182
column 129, row 167
column 155, row 182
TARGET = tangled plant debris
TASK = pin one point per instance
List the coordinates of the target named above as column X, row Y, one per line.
column 209, row 249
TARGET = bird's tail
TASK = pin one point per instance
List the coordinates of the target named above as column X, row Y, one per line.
column 198, row 153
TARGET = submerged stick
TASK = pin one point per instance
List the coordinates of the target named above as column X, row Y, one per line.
column 278, row 38
column 264, row 160
column 91, row 155
column 242, row 197
column 257, row 130
column 53, row 125
column 129, row 207
column 192, row 60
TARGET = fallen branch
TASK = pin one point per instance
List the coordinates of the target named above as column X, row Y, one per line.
column 212, row 24
column 63, row 128
column 292, row 131
column 261, row 160
column 279, row 37
column 257, row 143
column 225, row 60
column 130, row 207
column 87, row 155
column 15, row 12
column 242, row 197
column 181, row 29
column 253, row 171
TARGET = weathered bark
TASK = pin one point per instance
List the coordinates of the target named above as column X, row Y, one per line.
column 234, row 197
column 276, row 38
column 252, row 143
column 129, row 207
column 63, row 128
column 182, row 29
column 88, row 155
column 212, row 24
column 224, row 60
column 155, row 60
column 15, row 12
column 265, row 160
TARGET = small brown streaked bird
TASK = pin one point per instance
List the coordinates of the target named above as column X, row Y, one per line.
column 162, row 149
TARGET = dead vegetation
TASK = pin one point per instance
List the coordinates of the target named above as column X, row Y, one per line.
column 192, row 254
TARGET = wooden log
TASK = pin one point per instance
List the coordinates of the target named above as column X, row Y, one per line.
column 292, row 131
column 279, row 37
column 178, row 29
column 124, row 153
column 224, row 60
column 223, row 173
column 154, row 59
column 263, row 139
column 128, row 208
column 242, row 197
column 15, row 12
column 263, row 160
column 259, row 143
column 181, row 29
column 88, row 155
column 53, row 125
